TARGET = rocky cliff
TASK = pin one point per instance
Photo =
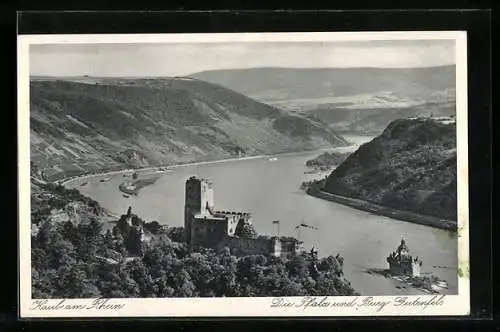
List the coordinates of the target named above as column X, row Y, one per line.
column 410, row 166
column 98, row 124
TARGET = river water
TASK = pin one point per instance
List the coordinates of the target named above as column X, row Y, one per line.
column 270, row 191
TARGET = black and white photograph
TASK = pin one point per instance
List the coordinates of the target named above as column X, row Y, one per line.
column 303, row 169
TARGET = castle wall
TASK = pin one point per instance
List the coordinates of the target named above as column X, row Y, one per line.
column 232, row 222
column 415, row 269
column 207, row 231
column 241, row 246
column 395, row 269
column 161, row 239
column 409, row 268
column 233, row 219
column 259, row 246
column 288, row 248
column 188, row 220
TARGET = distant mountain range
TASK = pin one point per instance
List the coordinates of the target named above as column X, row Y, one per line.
column 273, row 84
column 351, row 100
column 88, row 124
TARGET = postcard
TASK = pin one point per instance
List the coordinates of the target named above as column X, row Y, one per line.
column 243, row 175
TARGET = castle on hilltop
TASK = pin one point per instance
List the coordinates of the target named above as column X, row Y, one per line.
column 207, row 227
column 402, row 263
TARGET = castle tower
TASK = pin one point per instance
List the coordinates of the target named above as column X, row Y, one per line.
column 276, row 246
column 403, row 250
column 199, row 201
column 401, row 262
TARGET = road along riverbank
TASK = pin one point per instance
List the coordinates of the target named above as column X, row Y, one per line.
column 385, row 211
column 69, row 180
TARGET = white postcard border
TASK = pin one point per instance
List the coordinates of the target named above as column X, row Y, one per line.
column 426, row 305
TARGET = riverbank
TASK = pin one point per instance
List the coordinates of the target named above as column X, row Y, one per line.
column 143, row 170
column 385, row 211
column 428, row 283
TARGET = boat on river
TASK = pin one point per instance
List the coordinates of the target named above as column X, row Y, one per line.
column 273, row 159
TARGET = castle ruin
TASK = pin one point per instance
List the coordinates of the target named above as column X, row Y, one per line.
column 205, row 226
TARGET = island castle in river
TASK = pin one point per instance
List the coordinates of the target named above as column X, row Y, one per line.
column 205, row 226
column 402, row 263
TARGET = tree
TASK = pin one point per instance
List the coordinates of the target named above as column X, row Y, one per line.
column 225, row 271
column 89, row 239
column 139, row 273
column 119, row 244
column 115, row 281
column 250, row 271
column 154, row 260
column 42, row 283
column 154, row 227
column 176, row 234
column 108, row 242
column 200, row 269
column 331, row 264
column 326, row 286
column 45, row 233
column 287, row 287
column 180, row 280
column 133, row 242
column 70, row 232
column 73, row 282
column 39, row 259
column 245, row 230
column 298, row 267
column 60, row 252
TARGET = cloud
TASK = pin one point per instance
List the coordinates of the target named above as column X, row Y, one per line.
column 182, row 59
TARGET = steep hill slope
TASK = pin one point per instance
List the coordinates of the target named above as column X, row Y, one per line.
column 410, row 166
column 93, row 124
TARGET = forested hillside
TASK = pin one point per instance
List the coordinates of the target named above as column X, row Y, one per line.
column 91, row 125
column 73, row 256
column 411, row 166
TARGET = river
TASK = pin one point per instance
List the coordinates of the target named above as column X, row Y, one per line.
column 270, row 191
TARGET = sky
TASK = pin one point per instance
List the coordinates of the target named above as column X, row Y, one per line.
column 182, row 59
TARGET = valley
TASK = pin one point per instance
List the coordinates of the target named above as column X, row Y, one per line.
column 93, row 125
column 359, row 101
